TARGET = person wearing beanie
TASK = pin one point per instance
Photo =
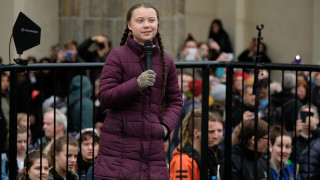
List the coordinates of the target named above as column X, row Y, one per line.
column 195, row 88
column 218, row 93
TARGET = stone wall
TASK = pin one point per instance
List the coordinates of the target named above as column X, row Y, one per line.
column 80, row 19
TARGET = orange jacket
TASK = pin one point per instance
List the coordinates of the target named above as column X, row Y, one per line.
column 187, row 173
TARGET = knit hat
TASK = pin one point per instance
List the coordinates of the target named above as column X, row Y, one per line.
column 218, row 92
column 197, row 87
column 245, row 75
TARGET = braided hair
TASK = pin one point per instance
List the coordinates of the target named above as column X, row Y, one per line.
column 157, row 37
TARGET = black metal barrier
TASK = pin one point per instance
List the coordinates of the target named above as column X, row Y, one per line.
column 205, row 67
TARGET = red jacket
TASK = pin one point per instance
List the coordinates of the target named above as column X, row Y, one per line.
column 131, row 144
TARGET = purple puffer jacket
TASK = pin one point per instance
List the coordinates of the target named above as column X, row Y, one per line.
column 131, row 144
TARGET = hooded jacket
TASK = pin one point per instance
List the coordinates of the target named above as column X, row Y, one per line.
column 75, row 99
column 131, row 143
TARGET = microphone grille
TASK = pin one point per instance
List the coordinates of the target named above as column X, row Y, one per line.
column 148, row 43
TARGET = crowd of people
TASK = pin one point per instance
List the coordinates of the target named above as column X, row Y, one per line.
column 60, row 130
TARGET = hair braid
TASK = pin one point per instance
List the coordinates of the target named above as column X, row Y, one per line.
column 164, row 64
column 124, row 36
column 190, row 123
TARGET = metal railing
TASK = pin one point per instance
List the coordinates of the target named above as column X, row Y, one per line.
column 205, row 68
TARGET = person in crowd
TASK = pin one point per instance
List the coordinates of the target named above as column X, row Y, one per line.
column 183, row 80
column 237, row 87
column 193, row 102
column 215, row 138
column 77, row 113
column 216, row 54
column 186, row 158
column 135, row 96
column 218, row 93
column 45, row 80
column 36, row 166
column 250, row 54
column 22, row 142
column 3, row 132
column 48, row 126
column 303, row 91
column 69, row 52
column 102, row 48
column 245, row 110
column 309, row 161
column 89, row 147
column 306, row 117
column 283, row 105
column 5, row 96
column 242, row 163
column 190, row 50
column 281, row 147
column 203, row 49
column 315, row 91
column 53, row 52
column 218, row 34
column 64, row 148
column 32, row 74
column 68, row 55
column 100, row 54
column 21, row 153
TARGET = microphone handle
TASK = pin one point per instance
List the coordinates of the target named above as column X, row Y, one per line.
column 148, row 60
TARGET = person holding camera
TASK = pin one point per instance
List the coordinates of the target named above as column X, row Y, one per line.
column 306, row 117
column 102, row 49
column 100, row 54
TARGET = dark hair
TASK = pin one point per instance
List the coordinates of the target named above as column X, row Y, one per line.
column 189, row 38
column 157, row 37
column 44, row 60
column 248, row 131
column 218, row 22
column 275, row 131
column 33, row 155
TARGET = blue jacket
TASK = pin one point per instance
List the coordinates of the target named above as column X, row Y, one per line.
column 288, row 172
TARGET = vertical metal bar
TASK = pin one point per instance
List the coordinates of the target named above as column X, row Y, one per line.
column 309, row 140
column 192, row 115
column 295, row 125
column 13, row 125
column 228, row 126
column 204, row 123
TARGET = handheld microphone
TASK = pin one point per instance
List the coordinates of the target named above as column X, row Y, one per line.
column 148, row 50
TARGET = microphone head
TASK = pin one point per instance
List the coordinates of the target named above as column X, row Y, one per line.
column 148, row 45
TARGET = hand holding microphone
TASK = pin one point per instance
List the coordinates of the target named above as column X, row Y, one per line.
column 146, row 79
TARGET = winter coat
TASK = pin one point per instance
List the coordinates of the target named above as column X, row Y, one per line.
column 314, row 161
column 290, row 172
column 131, row 143
column 74, row 103
column 243, row 167
column 53, row 175
column 189, row 167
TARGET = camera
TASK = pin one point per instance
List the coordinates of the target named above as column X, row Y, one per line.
column 101, row 45
column 305, row 114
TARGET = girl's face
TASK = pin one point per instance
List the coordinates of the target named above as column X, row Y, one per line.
column 286, row 149
column 22, row 143
column 143, row 24
column 34, row 171
column 61, row 157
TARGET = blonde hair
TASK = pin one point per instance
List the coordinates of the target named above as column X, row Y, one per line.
column 49, row 150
